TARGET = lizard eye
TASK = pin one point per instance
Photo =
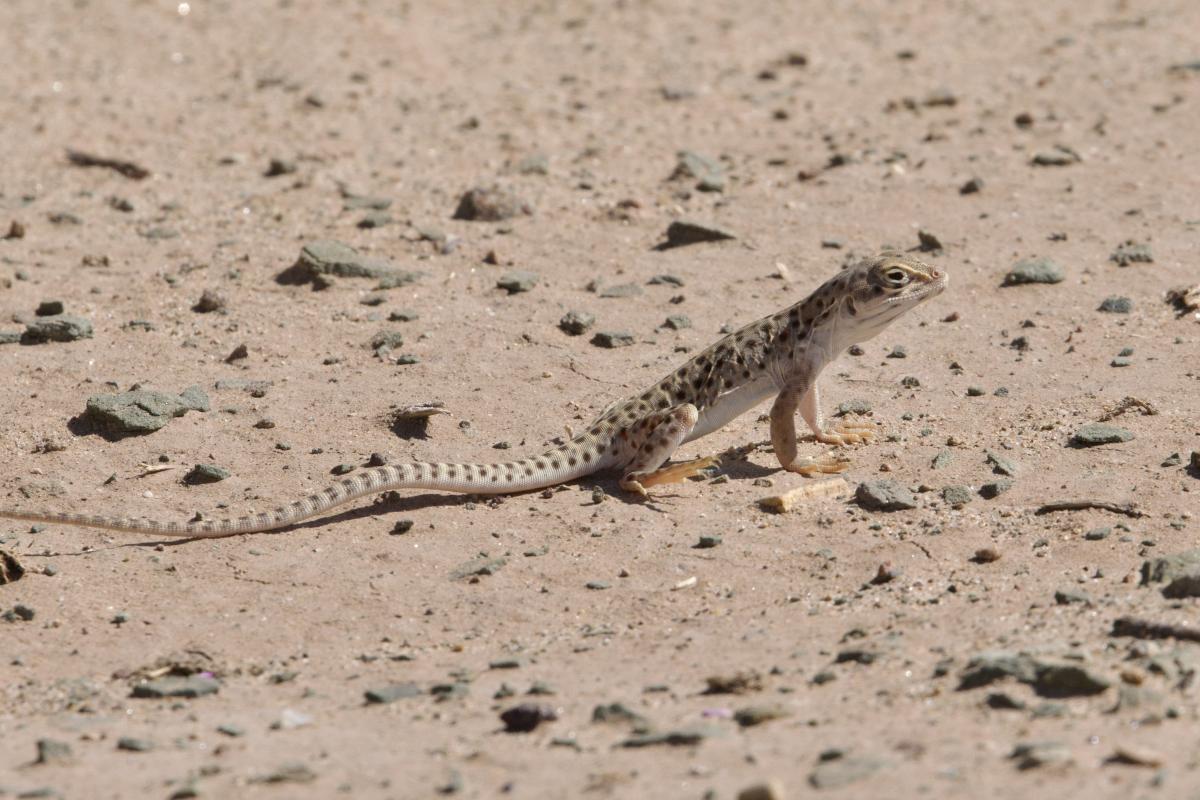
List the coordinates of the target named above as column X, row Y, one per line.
column 896, row 277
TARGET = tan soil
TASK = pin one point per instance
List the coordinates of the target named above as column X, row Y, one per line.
column 420, row 101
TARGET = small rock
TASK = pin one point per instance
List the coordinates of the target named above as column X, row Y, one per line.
column 972, row 186
column 49, row 308
column 343, row 469
column 884, row 495
column 294, row 772
column 195, row 399
column 708, row 172
column 1067, row 680
column 1130, row 252
column 575, row 323
column 387, row 341
column 237, row 354
column 1065, row 597
column 837, row 772
column 677, row 322
column 989, row 667
column 957, row 496
column 137, row 412
column 1060, row 156
column 928, row 242
column 518, row 281
column 1098, row 433
column 708, row 541
column 986, row 555
column 1038, row 270
column 60, row 328
column 134, row 745
column 854, row 406
column 402, row 527
column 612, row 339
column 479, row 566
column 1031, row 755
column 403, row 315
column 1000, row 464
column 358, row 202
column 525, row 717
column 490, row 204
column 771, row 790
column 325, row 258
column 206, row 473
column 375, row 219
column 290, row 719
column 899, row 351
column 536, row 164
column 1097, row 534
column 19, row 613
column 211, row 300
column 279, row 166
column 683, row 232
column 52, row 751
column 675, row 738
column 1116, row 305
column 621, row 290
column 992, row 490
column 391, row 693
column 177, row 686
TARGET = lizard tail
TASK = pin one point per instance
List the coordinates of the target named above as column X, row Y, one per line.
column 549, row 469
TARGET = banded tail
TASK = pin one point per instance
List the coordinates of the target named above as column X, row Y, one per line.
column 553, row 467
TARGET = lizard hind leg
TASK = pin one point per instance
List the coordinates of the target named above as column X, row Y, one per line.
column 657, row 437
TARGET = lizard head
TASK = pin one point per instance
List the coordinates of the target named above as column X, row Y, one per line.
column 883, row 288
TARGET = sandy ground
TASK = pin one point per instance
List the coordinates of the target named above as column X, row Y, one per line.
column 855, row 126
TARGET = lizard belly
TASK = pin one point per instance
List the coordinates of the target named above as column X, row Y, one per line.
column 733, row 404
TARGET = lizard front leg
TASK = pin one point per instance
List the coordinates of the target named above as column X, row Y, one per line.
column 656, row 438
column 783, row 437
column 843, row 433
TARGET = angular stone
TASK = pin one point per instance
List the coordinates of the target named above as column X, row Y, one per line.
column 1036, row 270
column 884, row 495
column 992, row 490
column 843, row 771
column 137, row 412
column 206, row 473
column 332, row 258
column 684, row 232
column 1067, row 680
column 576, row 323
column 60, row 328
column 490, row 204
column 957, row 496
column 989, row 667
column 518, row 281
column 613, row 339
column 1131, row 252
column 1098, row 433
column 177, row 686
column 1116, row 305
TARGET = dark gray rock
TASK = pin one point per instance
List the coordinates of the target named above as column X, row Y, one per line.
column 988, row 667
column 1067, row 680
column 52, row 751
column 992, row 490
column 211, row 300
column 1097, row 534
column 1116, row 305
column 684, row 232
column 884, row 495
column 19, row 613
column 176, row 686
column 49, row 308
column 1098, row 433
column 134, row 745
column 490, row 204
column 518, row 281
column 137, row 412
column 855, row 406
column 61, row 328
column 1036, row 270
column 525, row 717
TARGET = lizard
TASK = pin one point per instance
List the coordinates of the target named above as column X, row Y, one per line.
column 780, row 355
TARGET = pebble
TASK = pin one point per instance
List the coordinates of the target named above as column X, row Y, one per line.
column 771, row 790
column 1130, row 252
column 324, row 258
column 1097, row 534
column 620, row 291
column 1000, row 465
column 535, row 164
column 898, row 351
column 675, row 738
column 1060, row 156
column 49, row 308
column 708, row 172
column 137, row 412
column 1098, row 433
column 134, row 745
column 359, row 202
column 59, row 328
column 525, row 717
column 612, row 339
column 402, row 527
column 343, row 469
column 992, row 490
column 211, row 300
column 884, row 495
column 490, row 204
column 1038, row 270
column 518, row 281
column 986, row 555
column 708, row 541
column 177, row 686
column 665, row 280
column 975, row 391
column 237, row 354
column 1065, row 597
column 853, row 406
column 1121, row 361
column 387, row 340
column 598, row 586
column 279, row 166
column 375, row 219
column 677, row 322
column 1031, row 755
column 195, row 399
column 479, row 566
column 52, row 751
column 292, row 772
column 575, row 323
column 19, row 612
column 685, row 232
column 206, row 473
column 957, row 496
column 972, row 186
column 843, row 770
column 1180, row 572
column 1116, row 305
column 403, row 315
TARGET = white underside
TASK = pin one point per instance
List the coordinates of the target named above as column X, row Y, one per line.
column 733, row 404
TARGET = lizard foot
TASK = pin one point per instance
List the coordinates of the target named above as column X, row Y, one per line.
column 638, row 483
column 848, row 433
column 825, row 464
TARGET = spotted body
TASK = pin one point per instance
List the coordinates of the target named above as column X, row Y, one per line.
column 778, row 356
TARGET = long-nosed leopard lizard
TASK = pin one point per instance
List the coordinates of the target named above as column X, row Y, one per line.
column 781, row 355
